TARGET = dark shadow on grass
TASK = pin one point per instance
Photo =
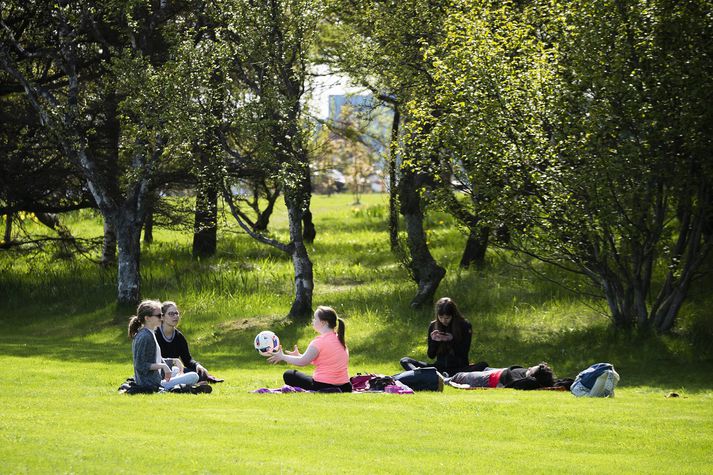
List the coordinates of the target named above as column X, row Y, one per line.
column 641, row 360
column 54, row 316
column 66, row 350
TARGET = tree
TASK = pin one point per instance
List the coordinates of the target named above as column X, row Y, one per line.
column 635, row 77
column 349, row 149
column 35, row 178
column 262, row 48
column 83, row 67
column 380, row 45
column 582, row 125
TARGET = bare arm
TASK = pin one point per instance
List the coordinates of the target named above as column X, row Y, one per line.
column 296, row 359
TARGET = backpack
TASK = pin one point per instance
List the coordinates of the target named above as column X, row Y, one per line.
column 590, row 375
column 599, row 380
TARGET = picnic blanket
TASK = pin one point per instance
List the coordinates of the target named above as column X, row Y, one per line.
column 293, row 389
column 368, row 383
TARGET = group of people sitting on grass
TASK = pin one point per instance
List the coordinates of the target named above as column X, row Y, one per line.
column 162, row 359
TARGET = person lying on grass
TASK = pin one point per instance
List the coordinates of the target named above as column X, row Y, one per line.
column 516, row 377
column 449, row 338
column 150, row 370
column 174, row 345
column 327, row 352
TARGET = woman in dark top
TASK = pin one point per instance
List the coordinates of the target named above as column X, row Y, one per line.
column 449, row 338
column 174, row 345
column 515, row 377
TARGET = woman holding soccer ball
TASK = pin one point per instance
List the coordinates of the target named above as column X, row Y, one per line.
column 327, row 352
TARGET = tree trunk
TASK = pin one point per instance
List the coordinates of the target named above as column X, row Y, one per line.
column 663, row 322
column 205, row 227
column 619, row 301
column 129, row 240
column 148, row 224
column 297, row 199
column 109, row 244
column 393, row 188
column 424, row 269
column 309, row 232
column 304, row 281
column 263, row 217
column 148, row 228
column 7, row 237
column 475, row 248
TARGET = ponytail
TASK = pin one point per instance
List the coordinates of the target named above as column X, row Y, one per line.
column 340, row 332
column 329, row 315
column 134, row 326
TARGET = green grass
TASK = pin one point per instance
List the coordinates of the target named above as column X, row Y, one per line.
column 65, row 351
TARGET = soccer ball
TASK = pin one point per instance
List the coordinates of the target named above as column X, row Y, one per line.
column 266, row 342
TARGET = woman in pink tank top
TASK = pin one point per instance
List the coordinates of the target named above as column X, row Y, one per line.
column 327, row 352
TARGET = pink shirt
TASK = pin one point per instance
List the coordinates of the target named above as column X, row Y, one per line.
column 330, row 365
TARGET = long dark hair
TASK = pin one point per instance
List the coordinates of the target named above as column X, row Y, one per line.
column 329, row 315
column 446, row 306
column 145, row 309
column 544, row 375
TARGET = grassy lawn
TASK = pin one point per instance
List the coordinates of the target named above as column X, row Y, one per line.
column 64, row 351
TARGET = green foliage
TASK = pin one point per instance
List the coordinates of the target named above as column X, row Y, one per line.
column 578, row 126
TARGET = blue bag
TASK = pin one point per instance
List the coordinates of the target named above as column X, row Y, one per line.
column 590, row 375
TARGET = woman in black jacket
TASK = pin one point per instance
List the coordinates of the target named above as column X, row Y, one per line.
column 174, row 345
column 449, row 338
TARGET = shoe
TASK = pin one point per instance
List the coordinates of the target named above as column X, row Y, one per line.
column 201, row 388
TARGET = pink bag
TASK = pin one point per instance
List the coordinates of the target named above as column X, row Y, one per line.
column 360, row 382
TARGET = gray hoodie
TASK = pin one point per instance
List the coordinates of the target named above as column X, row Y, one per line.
column 144, row 348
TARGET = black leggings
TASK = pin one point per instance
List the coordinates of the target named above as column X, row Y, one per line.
column 410, row 363
column 298, row 379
